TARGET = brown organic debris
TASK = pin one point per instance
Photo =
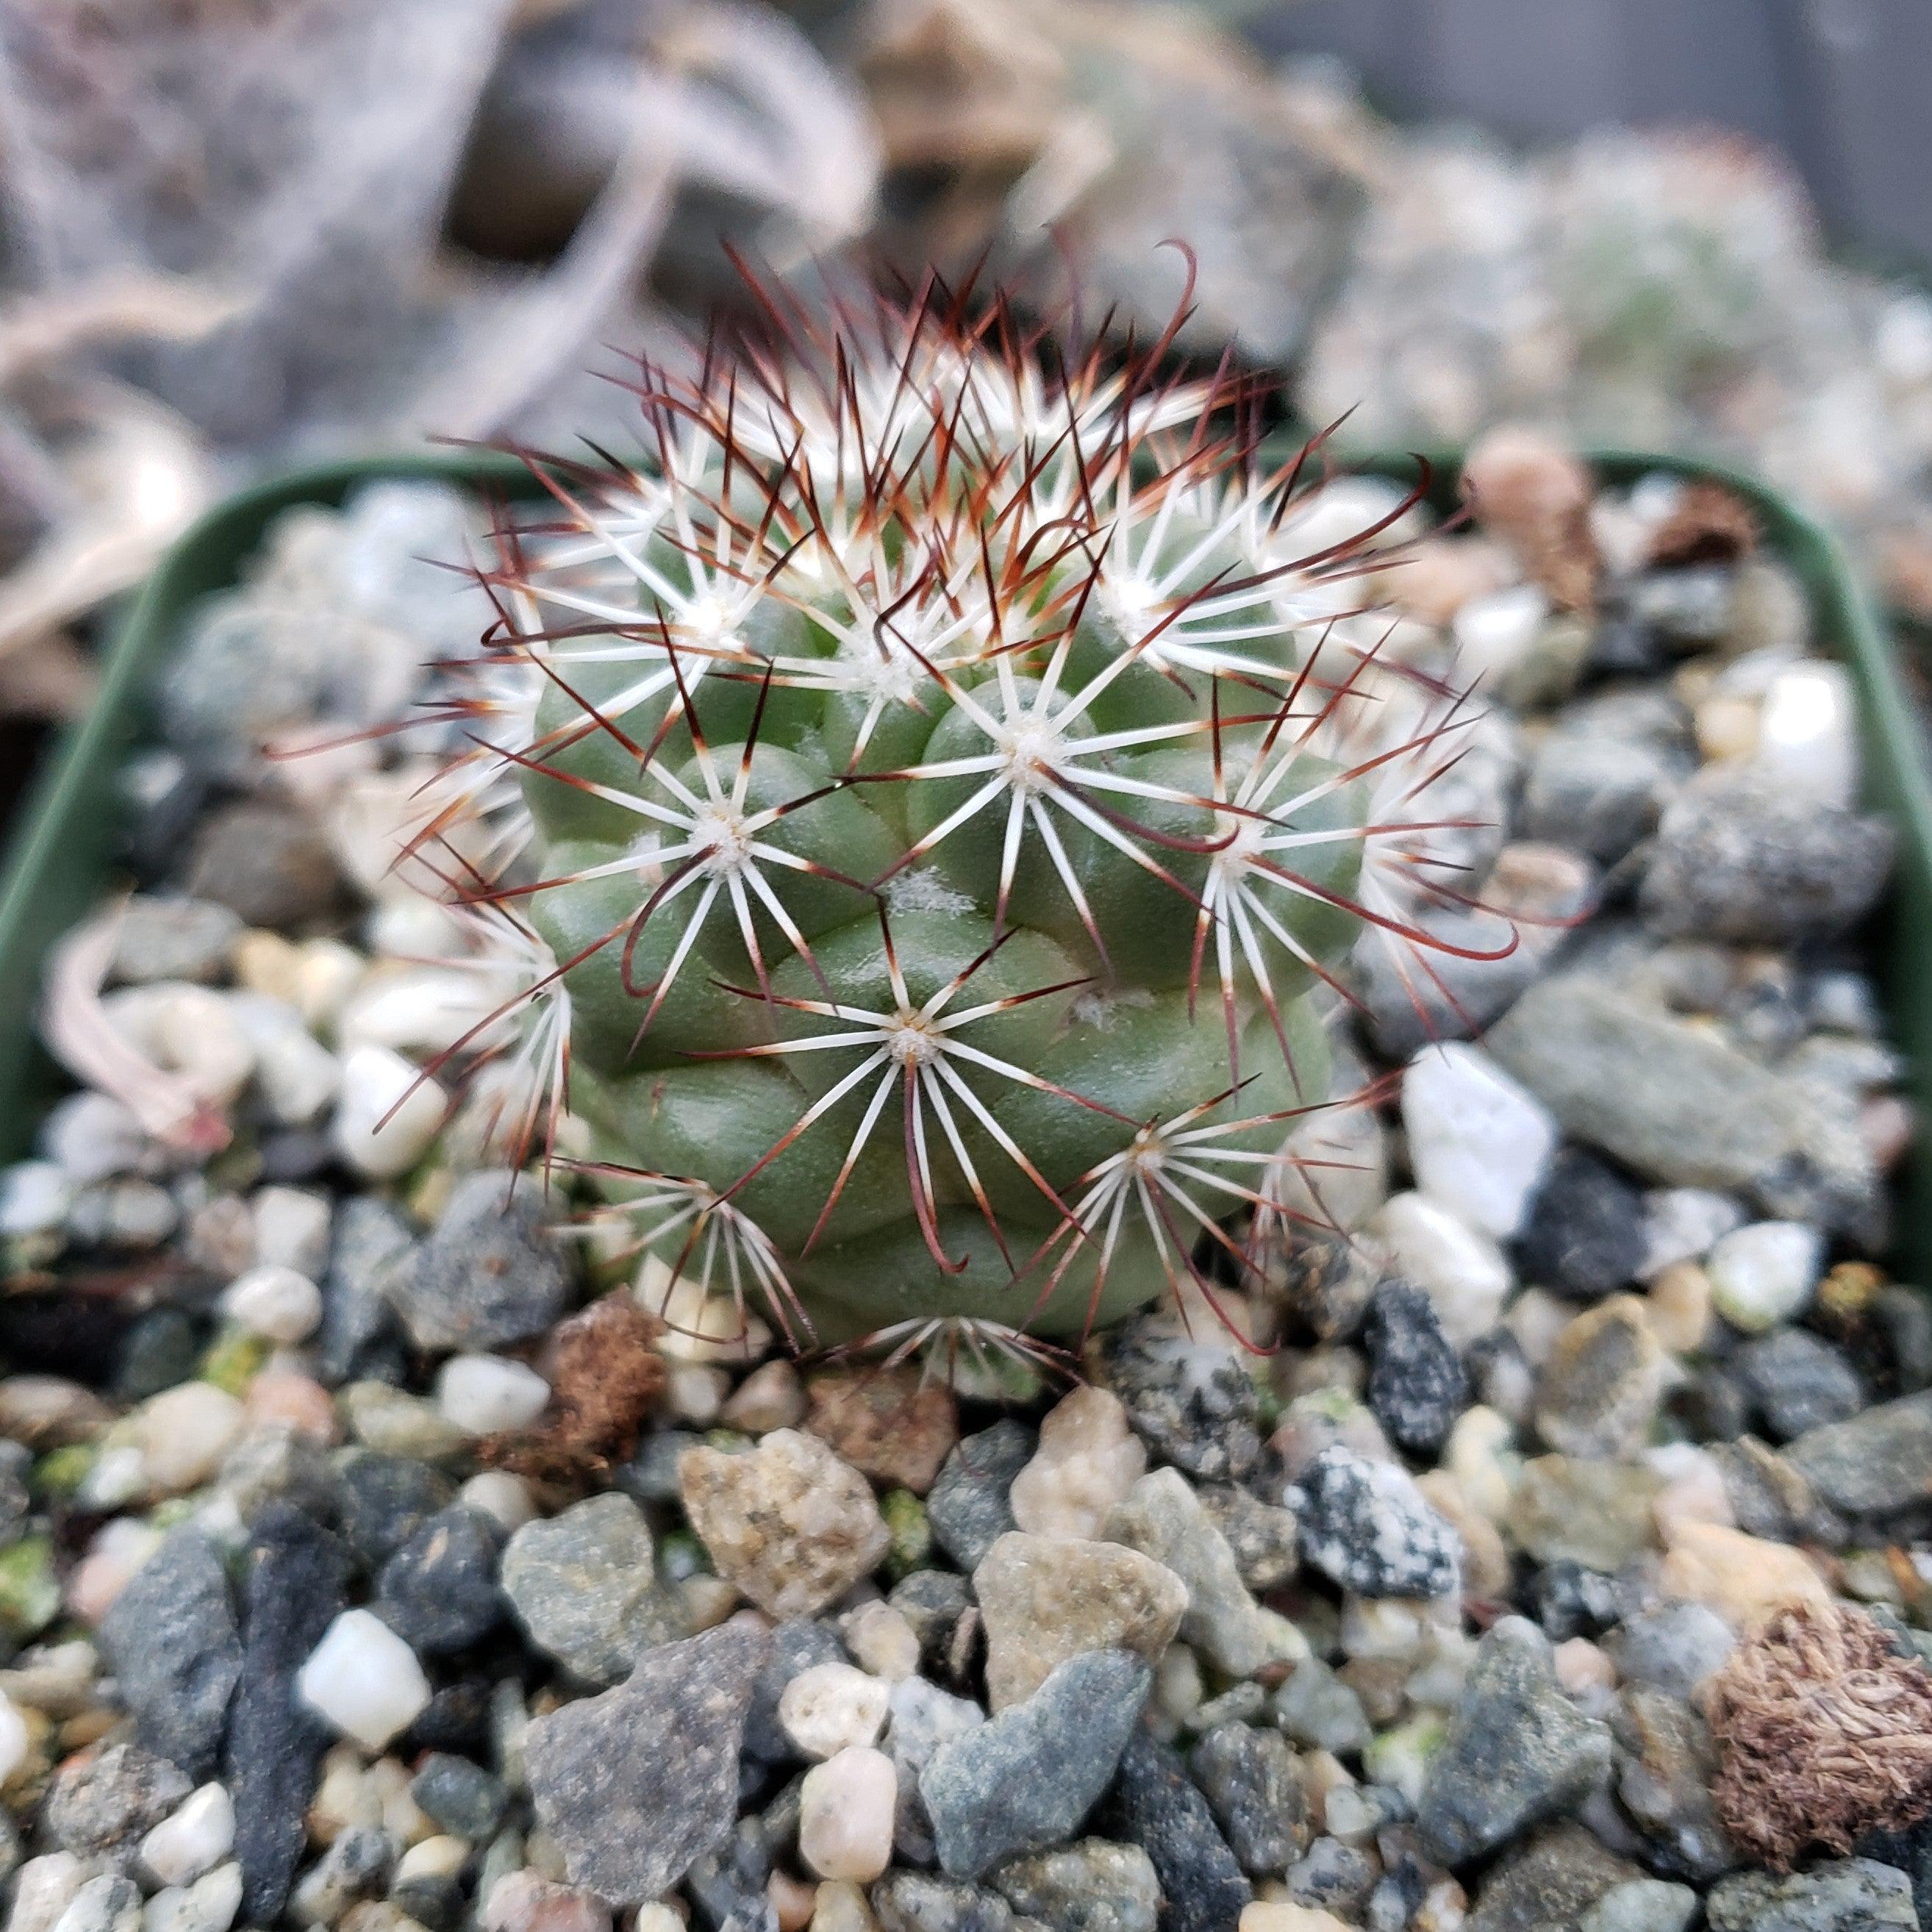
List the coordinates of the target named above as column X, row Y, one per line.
column 1534, row 495
column 606, row 1372
column 1709, row 524
column 1825, row 1733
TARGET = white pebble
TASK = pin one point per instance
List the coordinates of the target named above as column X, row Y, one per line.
column 364, row 1679
column 389, row 1113
column 1088, row 1458
column 102, row 1904
column 43, row 1889
column 291, row 1229
column 832, row 1708
column 190, row 1029
column 13, row 1738
column 274, row 1302
column 192, row 1838
column 1493, row 634
column 1480, row 1145
column 483, row 1393
column 184, row 1432
column 1764, row 1274
column 1462, row 1272
column 208, row 1905
column 93, row 1136
column 497, row 1494
column 34, row 1197
column 845, row 1815
column 881, row 1640
column 1681, row 1224
column 1807, row 738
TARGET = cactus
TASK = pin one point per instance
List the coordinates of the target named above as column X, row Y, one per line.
column 920, row 807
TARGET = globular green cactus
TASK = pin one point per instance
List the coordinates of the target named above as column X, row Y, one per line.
column 924, row 811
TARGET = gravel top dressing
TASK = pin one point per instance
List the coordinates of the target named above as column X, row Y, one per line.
column 1516, row 1518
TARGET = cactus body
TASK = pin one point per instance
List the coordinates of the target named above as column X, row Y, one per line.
column 935, row 816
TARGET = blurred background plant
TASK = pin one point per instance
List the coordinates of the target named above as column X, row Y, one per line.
column 239, row 232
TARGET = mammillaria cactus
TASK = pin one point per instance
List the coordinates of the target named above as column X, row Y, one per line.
column 918, row 804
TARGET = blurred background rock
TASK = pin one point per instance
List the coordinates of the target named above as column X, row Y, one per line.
column 241, row 232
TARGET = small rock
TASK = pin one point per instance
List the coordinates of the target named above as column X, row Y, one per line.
column 521, row 1901
column 1266, row 1540
column 923, row 1718
column 1155, row 1806
column 1190, row 1397
column 183, row 1433
column 267, row 863
column 1089, row 1886
column 1598, row 1514
column 797, row 1645
column 192, row 1839
column 1479, row 1144
column 172, row 1641
column 1253, row 1784
column 1416, row 1386
column 1317, row 1709
column 1736, row 858
column 1600, row 1389
column 631, row 1816
column 787, row 1522
column 584, row 1584
column 1462, row 1272
column 1839, row 1895
column 108, row 1903
column 358, row 1864
column 387, row 1113
column 294, row 1581
column 484, row 1393
column 103, row 1804
column 1673, row 1648
column 970, row 1506
column 385, row 1500
column 1642, row 1905
column 846, row 1810
column 910, row 1901
column 1674, row 1103
column 1164, row 1519
column 1550, row 1883
column 1683, row 1224
column 489, row 1274
column 1585, row 1236
column 1744, row 1579
column 1026, row 1779
column 1326, row 1280
column 364, row 1679
column 1874, row 1463
column 208, row 1905
column 1045, row 1600
column 772, row 1396
column 371, row 1246
column 1366, row 1525
column 1764, row 1274
column 275, row 1303
column 1799, row 1382
column 173, row 939
column 1666, row 1765
column 1088, row 1460
column 460, row 1797
column 829, row 1708
column 439, row 1592
column 894, row 1424
column 1517, row 1751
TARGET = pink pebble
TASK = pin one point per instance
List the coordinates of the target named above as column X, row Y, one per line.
column 285, row 1396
